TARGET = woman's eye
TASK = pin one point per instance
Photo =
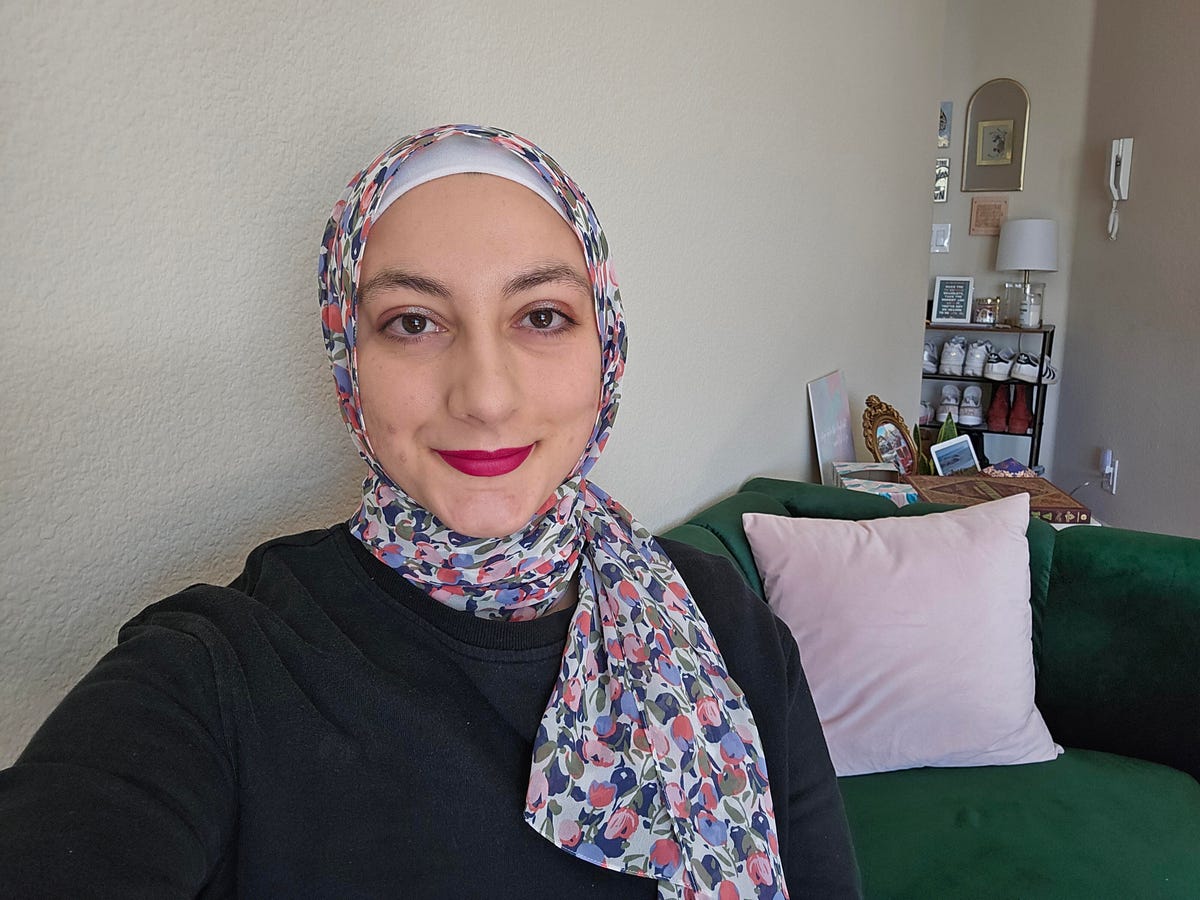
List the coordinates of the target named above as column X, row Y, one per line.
column 411, row 324
column 545, row 319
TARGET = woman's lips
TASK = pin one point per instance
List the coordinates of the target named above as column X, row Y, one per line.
column 485, row 463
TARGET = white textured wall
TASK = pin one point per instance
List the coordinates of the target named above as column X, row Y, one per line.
column 1046, row 47
column 1135, row 321
column 762, row 169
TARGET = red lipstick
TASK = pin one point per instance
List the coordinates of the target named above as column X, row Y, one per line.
column 486, row 463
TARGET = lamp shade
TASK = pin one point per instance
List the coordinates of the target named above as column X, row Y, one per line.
column 1028, row 244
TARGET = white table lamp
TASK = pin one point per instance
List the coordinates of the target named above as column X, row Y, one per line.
column 1027, row 245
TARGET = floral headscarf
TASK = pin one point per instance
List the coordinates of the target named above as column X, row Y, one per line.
column 647, row 760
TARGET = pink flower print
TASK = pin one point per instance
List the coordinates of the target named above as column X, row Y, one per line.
column 635, row 649
column 678, row 803
column 447, row 575
column 666, row 855
column 584, row 623
column 708, row 710
column 598, row 753
column 571, row 693
column 601, row 793
column 331, row 316
column 535, row 795
column 708, row 796
column 681, row 730
column 387, row 496
column 659, row 742
column 759, row 868
column 568, row 833
column 614, row 649
column 773, row 842
column 623, row 823
column 727, row 890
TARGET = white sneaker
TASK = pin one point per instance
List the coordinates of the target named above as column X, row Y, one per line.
column 954, row 353
column 927, row 413
column 1025, row 368
column 999, row 365
column 971, row 409
column 929, row 359
column 949, row 405
column 977, row 355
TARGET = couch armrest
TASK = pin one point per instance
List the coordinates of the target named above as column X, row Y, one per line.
column 1120, row 661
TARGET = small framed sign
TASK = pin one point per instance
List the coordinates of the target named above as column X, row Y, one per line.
column 952, row 300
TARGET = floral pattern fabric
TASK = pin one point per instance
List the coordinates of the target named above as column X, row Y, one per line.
column 647, row 759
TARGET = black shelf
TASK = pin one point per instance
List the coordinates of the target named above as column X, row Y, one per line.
column 1038, row 411
column 997, row 329
column 981, row 379
column 976, row 429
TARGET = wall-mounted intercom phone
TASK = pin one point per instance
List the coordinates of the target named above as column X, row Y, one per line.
column 1120, row 161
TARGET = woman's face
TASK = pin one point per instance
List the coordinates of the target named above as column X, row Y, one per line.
column 476, row 332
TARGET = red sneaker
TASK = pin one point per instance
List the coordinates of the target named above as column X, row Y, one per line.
column 1020, row 417
column 997, row 414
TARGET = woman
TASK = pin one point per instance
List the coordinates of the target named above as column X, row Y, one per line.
column 491, row 681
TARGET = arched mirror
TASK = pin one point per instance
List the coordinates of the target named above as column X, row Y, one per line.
column 887, row 437
column 994, row 149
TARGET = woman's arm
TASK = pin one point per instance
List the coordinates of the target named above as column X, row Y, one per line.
column 819, row 857
column 128, row 788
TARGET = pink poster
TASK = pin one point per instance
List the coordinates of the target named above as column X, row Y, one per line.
column 831, row 422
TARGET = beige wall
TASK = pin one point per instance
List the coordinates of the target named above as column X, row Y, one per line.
column 1046, row 47
column 762, row 170
column 1132, row 366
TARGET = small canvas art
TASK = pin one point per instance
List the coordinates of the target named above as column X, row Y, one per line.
column 831, row 422
column 944, row 117
column 941, row 179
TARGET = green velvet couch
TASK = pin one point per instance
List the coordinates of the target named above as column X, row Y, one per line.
column 1116, row 642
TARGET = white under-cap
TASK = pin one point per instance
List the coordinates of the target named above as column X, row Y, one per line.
column 458, row 154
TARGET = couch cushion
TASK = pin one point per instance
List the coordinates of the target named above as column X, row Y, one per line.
column 822, row 502
column 1086, row 825
column 915, row 633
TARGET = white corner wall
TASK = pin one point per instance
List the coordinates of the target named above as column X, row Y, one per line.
column 762, row 171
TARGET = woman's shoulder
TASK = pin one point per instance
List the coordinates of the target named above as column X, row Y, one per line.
column 278, row 575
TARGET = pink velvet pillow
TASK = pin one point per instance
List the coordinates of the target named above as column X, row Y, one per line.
column 914, row 631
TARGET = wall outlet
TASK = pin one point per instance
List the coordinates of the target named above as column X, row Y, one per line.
column 1108, row 470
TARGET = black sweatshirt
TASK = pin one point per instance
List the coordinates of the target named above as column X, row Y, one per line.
column 322, row 728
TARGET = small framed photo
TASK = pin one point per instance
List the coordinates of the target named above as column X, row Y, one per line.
column 988, row 214
column 952, row 298
column 955, row 456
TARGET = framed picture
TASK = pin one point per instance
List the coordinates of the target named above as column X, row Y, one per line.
column 955, row 456
column 994, row 150
column 941, row 179
column 993, row 143
column 887, row 437
column 952, row 298
column 988, row 214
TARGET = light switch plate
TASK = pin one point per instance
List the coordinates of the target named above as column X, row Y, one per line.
column 939, row 242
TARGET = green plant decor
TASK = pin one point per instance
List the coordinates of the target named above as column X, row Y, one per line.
column 924, row 461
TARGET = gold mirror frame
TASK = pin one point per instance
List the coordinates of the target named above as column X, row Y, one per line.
column 888, row 447
column 994, row 145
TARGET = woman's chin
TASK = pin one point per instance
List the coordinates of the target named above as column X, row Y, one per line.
column 486, row 517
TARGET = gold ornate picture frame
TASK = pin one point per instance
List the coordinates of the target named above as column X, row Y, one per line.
column 887, row 437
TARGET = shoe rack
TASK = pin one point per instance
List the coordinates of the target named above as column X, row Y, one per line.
column 999, row 335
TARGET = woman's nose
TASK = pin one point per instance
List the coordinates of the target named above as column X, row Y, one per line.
column 483, row 383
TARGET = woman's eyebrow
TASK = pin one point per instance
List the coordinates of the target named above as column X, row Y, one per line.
column 525, row 281
column 545, row 274
column 398, row 278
